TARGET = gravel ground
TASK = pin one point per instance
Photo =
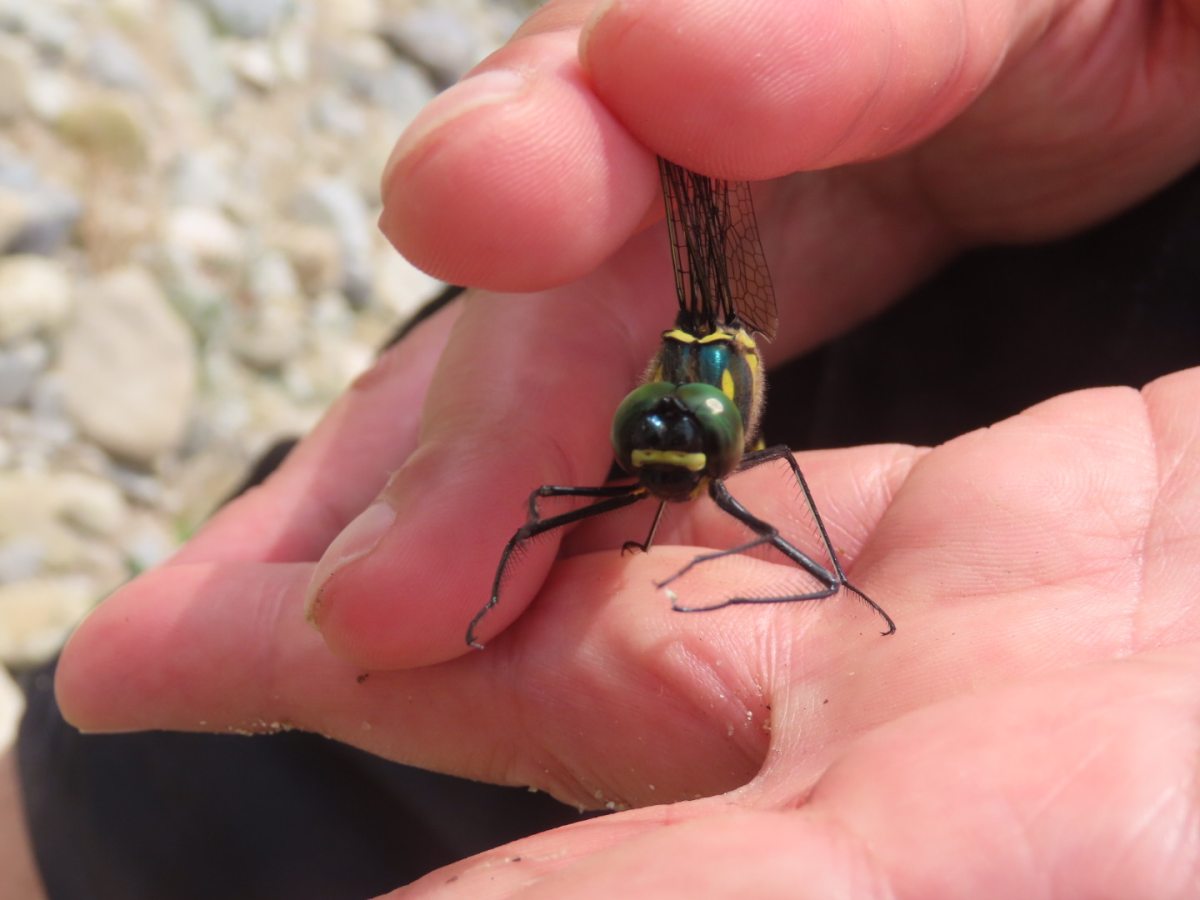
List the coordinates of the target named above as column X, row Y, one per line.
column 189, row 265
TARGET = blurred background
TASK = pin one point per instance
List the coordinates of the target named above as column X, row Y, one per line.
column 189, row 263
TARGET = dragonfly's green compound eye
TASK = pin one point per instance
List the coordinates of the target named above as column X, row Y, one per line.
column 675, row 438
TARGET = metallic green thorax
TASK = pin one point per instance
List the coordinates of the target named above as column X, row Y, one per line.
column 695, row 415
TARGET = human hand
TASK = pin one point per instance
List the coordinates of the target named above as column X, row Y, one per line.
column 229, row 648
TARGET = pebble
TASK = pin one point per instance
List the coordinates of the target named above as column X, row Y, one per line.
column 36, row 216
column 21, row 362
column 439, row 38
column 46, row 27
column 248, row 18
column 340, row 206
column 106, row 131
column 36, row 615
column 12, row 84
column 190, row 267
column 114, row 62
column 35, row 295
column 200, row 56
column 198, row 179
column 128, row 367
column 268, row 329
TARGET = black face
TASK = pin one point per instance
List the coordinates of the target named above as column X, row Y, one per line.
column 666, row 425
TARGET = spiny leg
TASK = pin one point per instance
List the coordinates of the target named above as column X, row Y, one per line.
column 612, row 497
column 768, row 534
column 644, row 546
column 782, row 451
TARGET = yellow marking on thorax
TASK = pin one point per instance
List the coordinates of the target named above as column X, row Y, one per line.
column 719, row 336
column 693, row 462
column 727, row 385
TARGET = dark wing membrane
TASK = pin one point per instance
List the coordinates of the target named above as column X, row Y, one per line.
column 750, row 288
column 721, row 274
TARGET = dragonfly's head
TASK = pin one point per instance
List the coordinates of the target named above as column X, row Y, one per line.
column 677, row 437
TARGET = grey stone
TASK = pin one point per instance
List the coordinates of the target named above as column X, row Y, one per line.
column 49, row 29
column 403, row 89
column 440, row 39
column 20, row 365
column 35, row 216
column 248, row 18
column 335, row 203
column 115, row 62
column 128, row 367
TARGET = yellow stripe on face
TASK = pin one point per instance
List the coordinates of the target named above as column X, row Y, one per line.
column 693, row 462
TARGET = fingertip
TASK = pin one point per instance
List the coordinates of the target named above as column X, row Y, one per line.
column 754, row 91
column 408, row 602
column 516, row 181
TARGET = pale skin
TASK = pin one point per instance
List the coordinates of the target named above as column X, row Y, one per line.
column 1032, row 726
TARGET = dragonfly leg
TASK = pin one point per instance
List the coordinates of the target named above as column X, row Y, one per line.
column 644, row 546
column 829, row 579
column 610, row 497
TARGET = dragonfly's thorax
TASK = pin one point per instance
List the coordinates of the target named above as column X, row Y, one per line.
column 726, row 358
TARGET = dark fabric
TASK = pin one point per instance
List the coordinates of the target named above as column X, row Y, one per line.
column 182, row 815
column 1003, row 328
column 168, row 816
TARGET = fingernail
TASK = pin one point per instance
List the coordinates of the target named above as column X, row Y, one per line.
column 357, row 539
column 486, row 88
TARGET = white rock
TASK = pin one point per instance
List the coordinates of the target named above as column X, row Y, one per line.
column 198, row 179
column 293, row 56
column 35, row 295
column 128, row 367
column 270, row 329
column 269, row 333
column 207, row 236
column 314, row 253
column 89, row 503
column 21, row 557
column 12, row 706
column 50, row 93
column 200, row 55
column 146, row 542
column 36, row 615
column 347, row 17
column 255, row 64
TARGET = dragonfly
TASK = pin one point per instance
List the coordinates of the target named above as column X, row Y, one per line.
column 694, row 421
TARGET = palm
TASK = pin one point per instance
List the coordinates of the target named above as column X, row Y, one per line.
column 1039, row 571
